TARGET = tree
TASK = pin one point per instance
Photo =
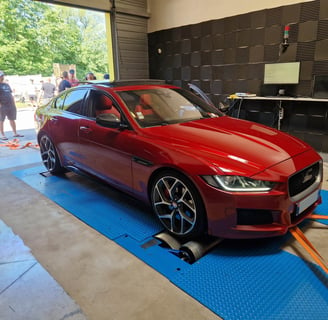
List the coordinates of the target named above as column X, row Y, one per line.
column 93, row 54
column 34, row 35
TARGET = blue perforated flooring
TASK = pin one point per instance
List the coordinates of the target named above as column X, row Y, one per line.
column 246, row 280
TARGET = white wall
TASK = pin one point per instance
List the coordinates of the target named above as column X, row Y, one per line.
column 166, row 14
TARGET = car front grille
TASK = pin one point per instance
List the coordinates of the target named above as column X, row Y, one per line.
column 304, row 179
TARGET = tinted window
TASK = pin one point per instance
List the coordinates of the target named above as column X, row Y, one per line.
column 104, row 104
column 59, row 102
column 157, row 106
column 99, row 102
column 74, row 101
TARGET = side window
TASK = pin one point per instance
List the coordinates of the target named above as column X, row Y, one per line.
column 59, row 101
column 74, row 101
column 102, row 103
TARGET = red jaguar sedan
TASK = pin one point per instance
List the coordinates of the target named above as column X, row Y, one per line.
column 201, row 172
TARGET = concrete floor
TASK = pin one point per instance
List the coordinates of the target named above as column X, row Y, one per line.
column 53, row 266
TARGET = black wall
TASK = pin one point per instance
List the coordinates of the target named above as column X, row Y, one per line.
column 228, row 55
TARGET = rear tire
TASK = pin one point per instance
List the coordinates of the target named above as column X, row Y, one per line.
column 49, row 156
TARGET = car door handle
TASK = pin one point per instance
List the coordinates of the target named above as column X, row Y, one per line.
column 85, row 129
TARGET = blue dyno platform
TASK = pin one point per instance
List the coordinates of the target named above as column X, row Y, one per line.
column 246, row 280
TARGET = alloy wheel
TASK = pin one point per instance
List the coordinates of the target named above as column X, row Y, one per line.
column 175, row 205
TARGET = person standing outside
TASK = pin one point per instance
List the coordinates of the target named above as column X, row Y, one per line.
column 64, row 84
column 32, row 93
column 7, row 108
column 73, row 81
column 48, row 89
column 90, row 76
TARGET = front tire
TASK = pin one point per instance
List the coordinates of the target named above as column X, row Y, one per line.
column 178, row 205
column 49, row 156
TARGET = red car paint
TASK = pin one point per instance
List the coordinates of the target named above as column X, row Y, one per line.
column 215, row 145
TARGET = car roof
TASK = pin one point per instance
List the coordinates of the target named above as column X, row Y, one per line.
column 124, row 83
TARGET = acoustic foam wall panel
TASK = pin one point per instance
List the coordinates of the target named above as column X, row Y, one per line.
column 305, row 51
column 273, row 35
column 244, row 21
column 218, row 41
column 291, row 14
column 217, row 27
column 273, row 16
column 290, row 54
column 271, row 53
column 307, row 31
column 255, row 71
column 323, row 9
column 321, row 50
column 249, row 39
column 242, row 55
column 309, row 11
column 257, row 36
column 186, row 60
column 185, row 45
column 293, row 32
column 258, row 19
column 195, row 58
column 306, row 70
column 206, row 58
column 217, row 57
column 242, row 71
column 256, row 53
column 243, row 37
column 230, row 24
column 206, row 28
column 320, row 67
column 230, row 40
column 229, row 56
column 206, row 43
column 323, row 29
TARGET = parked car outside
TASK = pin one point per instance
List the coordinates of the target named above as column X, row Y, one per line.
column 201, row 171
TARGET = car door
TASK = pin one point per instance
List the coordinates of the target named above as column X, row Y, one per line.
column 105, row 152
column 65, row 125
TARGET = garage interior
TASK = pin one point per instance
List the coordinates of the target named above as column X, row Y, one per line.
column 60, row 262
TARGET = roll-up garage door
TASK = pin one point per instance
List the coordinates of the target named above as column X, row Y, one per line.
column 132, row 46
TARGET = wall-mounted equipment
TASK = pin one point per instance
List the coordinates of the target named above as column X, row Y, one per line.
column 281, row 73
column 285, row 42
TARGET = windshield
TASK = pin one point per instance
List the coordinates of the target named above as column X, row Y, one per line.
column 162, row 106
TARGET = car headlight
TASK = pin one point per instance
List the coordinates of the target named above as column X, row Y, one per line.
column 239, row 183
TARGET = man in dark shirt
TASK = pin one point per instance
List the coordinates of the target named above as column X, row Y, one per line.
column 64, row 84
column 7, row 108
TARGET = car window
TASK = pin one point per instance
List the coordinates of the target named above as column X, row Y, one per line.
column 59, row 101
column 157, row 106
column 100, row 102
column 74, row 101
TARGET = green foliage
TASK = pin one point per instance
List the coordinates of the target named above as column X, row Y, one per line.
column 34, row 35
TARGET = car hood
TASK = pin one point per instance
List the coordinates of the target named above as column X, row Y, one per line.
column 230, row 145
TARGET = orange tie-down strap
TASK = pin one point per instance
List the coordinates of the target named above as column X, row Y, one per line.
column 307, row 245
column 14, row 145
column 318, row 216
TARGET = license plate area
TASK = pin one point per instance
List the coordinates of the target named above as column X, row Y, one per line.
column 307, row 202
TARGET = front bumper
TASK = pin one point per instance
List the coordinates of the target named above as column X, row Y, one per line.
column 258, row 215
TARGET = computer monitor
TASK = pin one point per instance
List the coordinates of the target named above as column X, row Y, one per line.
column 320, row 87
column 281, row 73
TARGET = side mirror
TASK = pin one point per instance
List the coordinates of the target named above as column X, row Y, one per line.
column 108, row 120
